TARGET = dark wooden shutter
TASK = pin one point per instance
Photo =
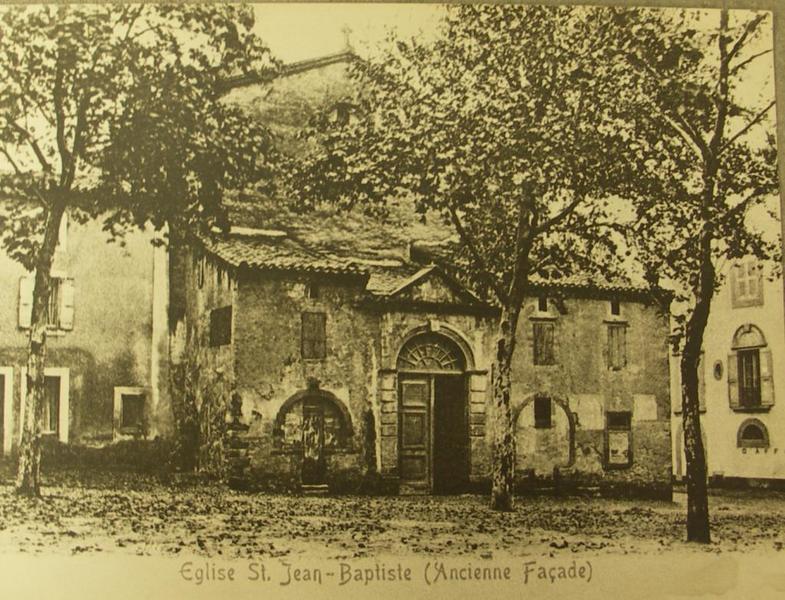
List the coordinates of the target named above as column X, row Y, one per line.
column 314, row 335
column 733, row 380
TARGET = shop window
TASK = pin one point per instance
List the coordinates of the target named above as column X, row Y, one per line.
column 618, row 439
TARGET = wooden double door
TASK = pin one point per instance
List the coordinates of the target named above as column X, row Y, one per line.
column 433, row 432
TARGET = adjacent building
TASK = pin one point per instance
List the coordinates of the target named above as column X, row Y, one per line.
column 742, row 380
column 106, row 344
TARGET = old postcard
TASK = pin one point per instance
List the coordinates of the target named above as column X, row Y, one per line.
column 386, row 300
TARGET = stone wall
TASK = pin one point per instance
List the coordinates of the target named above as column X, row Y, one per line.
column 585, row 384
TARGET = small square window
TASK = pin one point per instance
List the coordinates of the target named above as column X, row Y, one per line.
column 312, row 291
column 543, row 413
column 619, row 420
column 615, row 308
column 132, row 409
column 542, row 304
column 221, row 326
column 314, row 335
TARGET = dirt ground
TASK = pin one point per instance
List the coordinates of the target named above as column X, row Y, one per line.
column 137, row 515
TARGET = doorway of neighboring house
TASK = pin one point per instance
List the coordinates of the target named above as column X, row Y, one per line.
column 433, row 416
column 314, row 470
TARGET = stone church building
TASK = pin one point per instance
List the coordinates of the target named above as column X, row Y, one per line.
column 352, row 356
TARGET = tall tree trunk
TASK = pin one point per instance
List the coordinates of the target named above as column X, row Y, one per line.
column 503, row 439
column 28, row 475
column 694, row 452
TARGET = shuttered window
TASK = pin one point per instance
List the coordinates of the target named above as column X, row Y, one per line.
column 749, row 377
column 617, row 346
column 314, row 335
column 750, row 381
column 544, row 332
column 746, row 284
column 59, row 306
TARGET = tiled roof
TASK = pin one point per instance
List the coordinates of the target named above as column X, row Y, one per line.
column 275, row 254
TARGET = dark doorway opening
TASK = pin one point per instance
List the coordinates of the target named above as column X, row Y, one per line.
column 450, row 435
column 314, row 461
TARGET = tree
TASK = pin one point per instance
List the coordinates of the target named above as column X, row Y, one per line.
column 495, row 128
column 704, row 160
column 116, row 110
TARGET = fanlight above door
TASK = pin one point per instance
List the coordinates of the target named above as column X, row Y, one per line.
column 430, row 352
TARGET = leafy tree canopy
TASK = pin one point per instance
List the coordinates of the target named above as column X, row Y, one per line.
column 117, row 109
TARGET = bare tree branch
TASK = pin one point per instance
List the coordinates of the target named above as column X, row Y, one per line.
column 758, row 118
column 476, row 255
column 747, row 61
column 749, row 28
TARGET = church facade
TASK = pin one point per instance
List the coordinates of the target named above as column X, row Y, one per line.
column 348, row 371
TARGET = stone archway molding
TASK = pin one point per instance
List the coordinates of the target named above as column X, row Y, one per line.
column 314, row 391
column 439, row 328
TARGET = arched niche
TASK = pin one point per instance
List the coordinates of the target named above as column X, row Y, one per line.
column 542, row 448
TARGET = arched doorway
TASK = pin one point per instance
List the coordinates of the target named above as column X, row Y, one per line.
column 314, row 424
column 433, row 437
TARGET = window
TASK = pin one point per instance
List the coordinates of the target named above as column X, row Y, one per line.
column 749, row 367
column 752, row 434
column 542, row 304
column 314, row 335
column 543, row 413
column 312, row 291
column 51, row 420
column 749, row 377
column 618, row 439
column 132, row 411
column 617, row 346
column 615, row 308
column 746, row 284
column 221, row 326
column 59, row 306
column 129, row 411
column 56, row 411
column 543, row 343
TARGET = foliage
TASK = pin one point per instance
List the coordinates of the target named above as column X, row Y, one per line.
column 696, row 100
column 495, row 128
column 116, row 109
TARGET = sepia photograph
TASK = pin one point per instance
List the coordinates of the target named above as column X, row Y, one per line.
column 392, row 300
